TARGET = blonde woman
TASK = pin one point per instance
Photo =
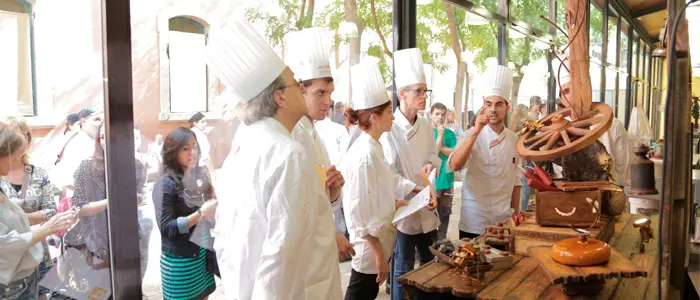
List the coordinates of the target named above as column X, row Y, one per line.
column 516, row 120
column 21, row 250
column 29, row 187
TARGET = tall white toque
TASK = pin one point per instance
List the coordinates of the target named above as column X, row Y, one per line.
column 497, row 81
column 368, row 89
column 306, row 53
column 242, row 59
column 408, row 65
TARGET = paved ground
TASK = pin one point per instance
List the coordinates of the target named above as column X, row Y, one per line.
column 152, row 280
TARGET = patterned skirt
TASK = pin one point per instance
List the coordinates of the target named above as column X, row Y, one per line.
column 186, row 278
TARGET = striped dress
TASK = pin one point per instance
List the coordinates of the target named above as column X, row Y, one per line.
column 185, row 277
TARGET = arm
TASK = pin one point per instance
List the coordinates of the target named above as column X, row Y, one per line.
column 404, row 186
column 278, row 274
column 80, row 199
column 446, row 151
column 165, row 199
column 461, row 154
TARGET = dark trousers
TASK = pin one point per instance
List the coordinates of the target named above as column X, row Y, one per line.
column 464, row 234
column 405, row 256
column 362, row 286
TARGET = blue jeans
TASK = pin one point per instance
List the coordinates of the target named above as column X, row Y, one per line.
column 23, row 289
column 405, row 256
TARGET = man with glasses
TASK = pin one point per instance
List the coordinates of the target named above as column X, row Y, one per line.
column 265, row 224
column 410, row 150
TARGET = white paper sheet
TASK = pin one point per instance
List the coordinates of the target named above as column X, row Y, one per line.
column 418, row 202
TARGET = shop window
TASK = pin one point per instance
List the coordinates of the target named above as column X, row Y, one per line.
column 16, row 58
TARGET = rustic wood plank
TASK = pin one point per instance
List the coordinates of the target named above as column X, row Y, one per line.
column 460, row 286
column 554, row 293
column 556, row 272
column 551, row 205
column 617, row 266
column 509, row 280
column 635, row 288
column 533, row 287
column 529, row 234
column 653, row 290
column 423, row 274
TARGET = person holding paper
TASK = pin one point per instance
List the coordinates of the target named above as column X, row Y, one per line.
column 491, row 185
column 369, row 190
column 268, row 216
column 410, row 150
column 307, row 53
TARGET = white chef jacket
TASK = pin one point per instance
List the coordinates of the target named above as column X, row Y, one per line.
column 617, row 145
column 490, row 175
column 334, row 137
column 267, row 219
column 406, row 149
column 368, row 200
column 19, row 257
column 204, row 146
column 322, row 268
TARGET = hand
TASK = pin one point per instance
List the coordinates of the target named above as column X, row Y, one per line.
column 61, row 222
column 418, row 188
column 427, row 168
column 382, row 269
column 334, row 182
column 346, row 249
column 441, row 130
column 482, row 119
column 400, row 203
column 139, row 198
column 433, row 203
column 208, row 209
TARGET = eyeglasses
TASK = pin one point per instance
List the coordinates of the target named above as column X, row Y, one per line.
column 298, row 83
column 421, row 92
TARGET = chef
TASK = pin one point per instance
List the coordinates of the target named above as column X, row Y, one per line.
column 369, row 191
column 492, row 180
column 307, row 54
column 266, row 232
column 410, row 149
column 615, row 139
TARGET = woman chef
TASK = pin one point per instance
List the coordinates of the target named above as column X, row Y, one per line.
column 491, row 186
column 369, row 184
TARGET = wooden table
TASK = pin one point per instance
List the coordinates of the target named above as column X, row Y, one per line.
column 527, row 281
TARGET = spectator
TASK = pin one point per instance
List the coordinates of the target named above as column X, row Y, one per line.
column 446, row 142
column 338, row 115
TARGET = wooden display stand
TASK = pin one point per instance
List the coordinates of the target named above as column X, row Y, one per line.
column 584, row 280
column 529, row 234
column 564, row 209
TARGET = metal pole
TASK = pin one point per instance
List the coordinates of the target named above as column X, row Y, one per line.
column 119, row 131
column 604, row 50
column 503, row 33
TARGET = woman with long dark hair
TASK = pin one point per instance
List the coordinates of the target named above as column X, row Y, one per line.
column 185, row 204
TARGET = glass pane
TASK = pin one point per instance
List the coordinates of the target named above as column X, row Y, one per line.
column 613, row 51
column 610, row 77
column 529, row 12
column 561, row 38
column 622, row 97
column 624, row 46
column 635, row 55
column 596, row 34
column 490, row 5
column 17, row 82
column 595, row 70
column 529, row 58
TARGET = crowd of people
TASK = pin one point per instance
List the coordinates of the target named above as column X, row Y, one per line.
column 299, row 191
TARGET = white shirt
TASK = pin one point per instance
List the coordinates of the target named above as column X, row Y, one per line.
column 77, row 149
column 368, row 201
column 406, row 149
column 266, row 220
column 334, row 137
column 490, row 175
column 323, row 272
column 204, row 146
column 18, row 256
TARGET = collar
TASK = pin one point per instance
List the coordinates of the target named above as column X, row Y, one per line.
column 495, row 138
column 401, row 119
column 272, row 124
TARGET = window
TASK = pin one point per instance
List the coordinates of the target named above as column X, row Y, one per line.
column 529, row 13
column 16, row 57
column 186, row 87
column 530, row 72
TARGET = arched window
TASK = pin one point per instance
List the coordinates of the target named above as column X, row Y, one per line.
column 184, row 76
column 16, row 58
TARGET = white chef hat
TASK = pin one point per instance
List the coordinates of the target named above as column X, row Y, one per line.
column 306, row 53
column 242, row 59
column 562, row 76
column 497, row 81
column 408, row 65
column 368, row 89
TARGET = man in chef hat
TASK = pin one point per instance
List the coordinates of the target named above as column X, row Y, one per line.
column 615, row 139
column 268, row 217
column 307, row 55
column 491, row 185
column 410, row 150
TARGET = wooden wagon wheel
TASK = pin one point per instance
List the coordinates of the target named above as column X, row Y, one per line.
column 559, row 136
